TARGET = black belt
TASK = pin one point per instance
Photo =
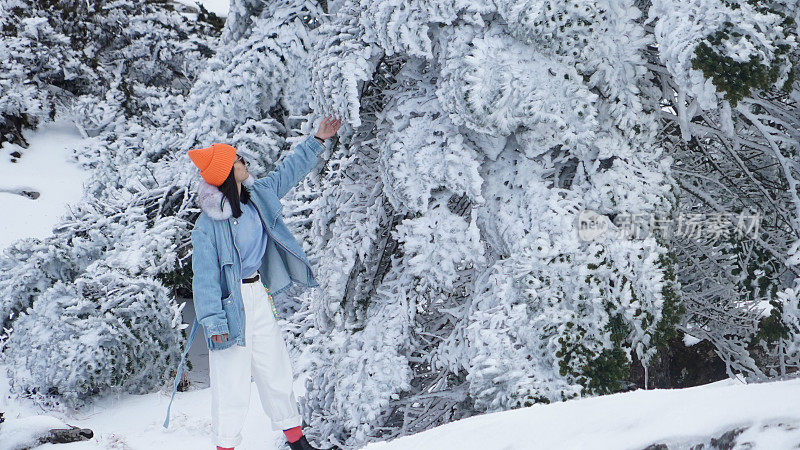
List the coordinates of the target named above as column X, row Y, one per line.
column 250, row 280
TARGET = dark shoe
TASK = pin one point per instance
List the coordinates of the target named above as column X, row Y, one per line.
column 301, row 444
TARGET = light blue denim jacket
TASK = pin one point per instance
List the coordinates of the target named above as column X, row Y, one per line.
column 216, row 265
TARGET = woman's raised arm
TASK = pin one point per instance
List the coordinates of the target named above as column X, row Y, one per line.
column 301, row 161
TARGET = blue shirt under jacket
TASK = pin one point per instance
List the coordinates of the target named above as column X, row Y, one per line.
column 251, row 239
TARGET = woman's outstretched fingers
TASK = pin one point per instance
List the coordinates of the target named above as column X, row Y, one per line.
column 219, row 338
column 329, row 126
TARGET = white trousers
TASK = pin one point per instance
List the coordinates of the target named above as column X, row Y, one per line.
column 265, row 358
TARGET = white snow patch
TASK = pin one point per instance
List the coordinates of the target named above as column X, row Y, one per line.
column 24, row 432
column 766, row 308
column 135, row 421
column 629, row 420
column 690, row 340
column 45, row 167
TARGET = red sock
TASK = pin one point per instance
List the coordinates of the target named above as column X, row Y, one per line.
column 293, row 434
column 224, row 448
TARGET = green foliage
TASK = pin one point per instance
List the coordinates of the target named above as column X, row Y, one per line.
column 737, row 79
column 758, row 276
column 604, row 370
column 604, row 373
column 179, row 280
column 771, row 328
column 762, row 279
column 673, row 309
column 598, row 370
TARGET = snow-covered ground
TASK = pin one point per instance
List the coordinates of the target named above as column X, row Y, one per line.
column 680, row 418
column 44, row 168
column 218, row 7
column 134, row 421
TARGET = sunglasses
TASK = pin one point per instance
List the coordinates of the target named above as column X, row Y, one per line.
column 240, row 159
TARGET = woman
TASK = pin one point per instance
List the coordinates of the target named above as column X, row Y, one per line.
column 242, row 250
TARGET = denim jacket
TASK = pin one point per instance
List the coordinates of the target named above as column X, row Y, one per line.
column 216, row 264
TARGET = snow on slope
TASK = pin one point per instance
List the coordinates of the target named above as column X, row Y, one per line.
column 45, row 168
column 679, row 418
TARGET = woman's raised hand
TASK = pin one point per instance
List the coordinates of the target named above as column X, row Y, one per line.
column 328, row 127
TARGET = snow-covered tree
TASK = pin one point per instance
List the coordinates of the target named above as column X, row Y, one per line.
column 103, row 285
column 727, row 72
column 132, row 229
column 478, row 132
column 54, row 51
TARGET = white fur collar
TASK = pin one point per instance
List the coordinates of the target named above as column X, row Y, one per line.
column 209, row 198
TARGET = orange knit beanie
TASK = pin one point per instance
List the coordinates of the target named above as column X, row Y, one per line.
column 214, row 162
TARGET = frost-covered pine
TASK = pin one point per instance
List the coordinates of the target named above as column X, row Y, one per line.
column 475, row 144
column 103, row 285
column 728, row 75
column 55, row 52
column 96, row 287
column 780, row 330
column 254, row 87
column 104, row 331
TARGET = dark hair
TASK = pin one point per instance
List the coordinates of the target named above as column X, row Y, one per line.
column 229, row 191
